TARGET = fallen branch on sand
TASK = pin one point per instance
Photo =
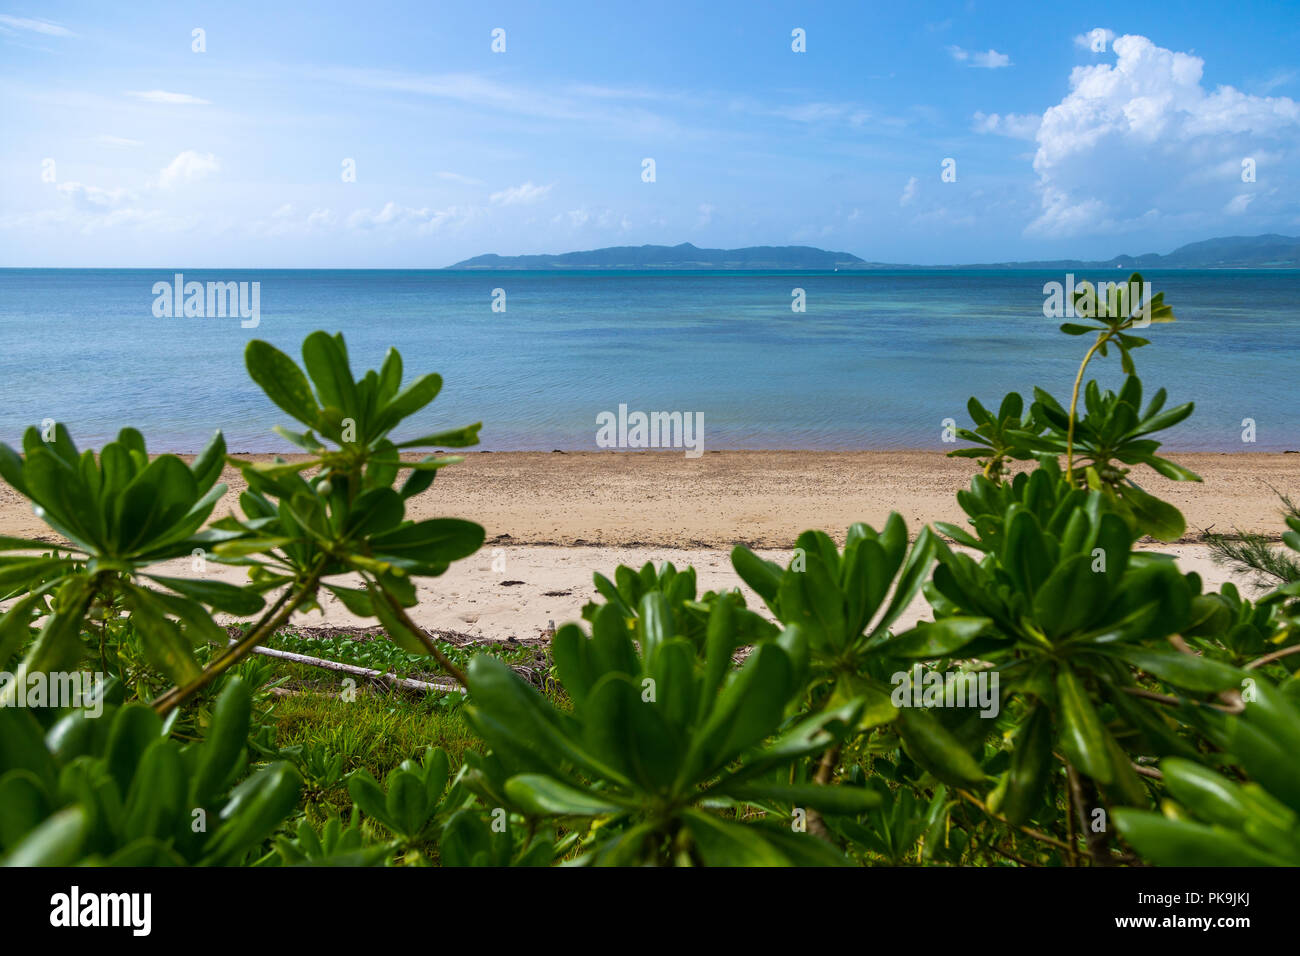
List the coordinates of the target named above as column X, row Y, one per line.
column 392, row 680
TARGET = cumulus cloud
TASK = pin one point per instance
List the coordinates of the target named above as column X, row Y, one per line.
column 188, row 167
column 519, row 195
column 990, row 60
column 1015, row 125
column 167, row 98
column 1142, row 139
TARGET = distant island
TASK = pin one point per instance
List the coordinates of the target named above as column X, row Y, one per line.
column 684, row 256
column 1229, row 252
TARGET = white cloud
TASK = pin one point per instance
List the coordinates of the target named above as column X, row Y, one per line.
column 603, row 220
column 990, row 60
column 1014, row 125
column 167, row 98
column 93, row 198
column 423, row 220
column 91, row 219
column 1280, row 78
column 117, row 142
column 1097, row 40
column 574, row 218
column 496, row 98
column 458, row 178
column 522, row 194
column 909, row 192
column 823, row 113
column 188, row 167
column 288, row 221
column 706, row 211
column 9, row 24
column 1237, row 205
column 1143, row 139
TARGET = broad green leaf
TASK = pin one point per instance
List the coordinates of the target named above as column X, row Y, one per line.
column 720, row 843
column 933, row 639
column 282, row 380
column 539, row 794
column 1182, row 843
column 215, row 594
column 1083, row 736
column 1200, row 674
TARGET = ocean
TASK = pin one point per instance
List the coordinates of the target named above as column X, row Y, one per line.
column 877, row 360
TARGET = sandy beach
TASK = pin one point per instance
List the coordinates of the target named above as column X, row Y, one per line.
column 552, row 519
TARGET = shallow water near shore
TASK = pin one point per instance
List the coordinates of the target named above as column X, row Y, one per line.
column 877, row 361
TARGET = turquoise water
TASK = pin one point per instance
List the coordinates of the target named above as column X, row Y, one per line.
column 878, row 360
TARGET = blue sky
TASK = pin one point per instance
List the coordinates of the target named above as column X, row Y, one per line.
column 123, row 146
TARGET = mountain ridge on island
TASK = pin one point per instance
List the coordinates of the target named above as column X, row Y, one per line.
column 1269, row 251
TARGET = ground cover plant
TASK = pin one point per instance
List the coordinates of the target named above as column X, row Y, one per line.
column 1073, row 700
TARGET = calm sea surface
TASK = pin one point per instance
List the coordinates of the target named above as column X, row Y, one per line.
column 878, row 360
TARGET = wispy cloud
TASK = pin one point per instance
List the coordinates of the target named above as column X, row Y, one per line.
column 823, row 113
column 118, row 142
column 423, row 219
column 990, row 60
column 48, row 28
column 1281, row 78
column 458, row 178
column 522, row 194
column 167, row 98
column 603, row 106
column 909, row 192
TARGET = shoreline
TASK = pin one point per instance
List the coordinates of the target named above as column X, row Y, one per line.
column 552, row 519
column 758, row 498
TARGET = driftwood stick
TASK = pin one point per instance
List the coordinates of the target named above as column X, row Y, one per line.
column 392, row 680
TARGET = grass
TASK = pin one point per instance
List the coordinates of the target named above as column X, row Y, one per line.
column 328, row 733
column 375, row 732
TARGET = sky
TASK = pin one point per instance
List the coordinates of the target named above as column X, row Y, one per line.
column 415, row 135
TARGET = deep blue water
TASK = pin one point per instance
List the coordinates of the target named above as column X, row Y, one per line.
column 878, row 360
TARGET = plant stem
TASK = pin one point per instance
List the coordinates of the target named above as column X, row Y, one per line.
column 1269, row 658
column 1082, row 793
column 1027, row 831
column 268, row 625
column 825, row 771
column 1074, row 404
column 429, row 644
column 1073, row 852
